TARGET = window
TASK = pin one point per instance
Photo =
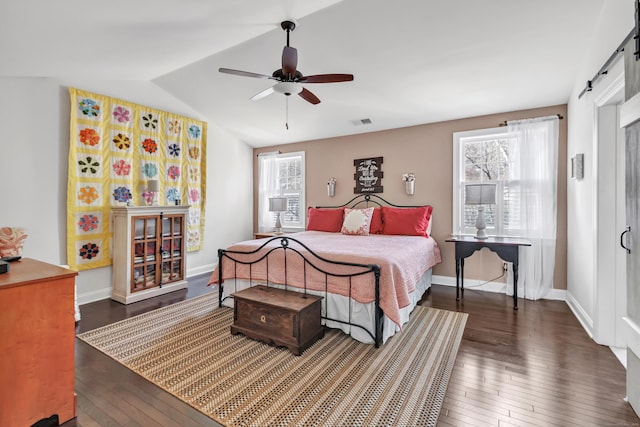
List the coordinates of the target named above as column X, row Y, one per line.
column 281, row 175
column 487, row 155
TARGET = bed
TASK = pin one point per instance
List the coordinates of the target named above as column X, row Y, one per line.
column 370, row 260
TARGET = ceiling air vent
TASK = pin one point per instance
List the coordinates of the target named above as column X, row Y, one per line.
column 361, row 122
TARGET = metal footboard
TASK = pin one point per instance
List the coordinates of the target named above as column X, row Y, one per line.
column 310, row 260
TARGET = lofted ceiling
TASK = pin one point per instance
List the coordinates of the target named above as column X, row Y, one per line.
column 414, row 61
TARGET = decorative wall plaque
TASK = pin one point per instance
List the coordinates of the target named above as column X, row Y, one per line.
column 368, row 175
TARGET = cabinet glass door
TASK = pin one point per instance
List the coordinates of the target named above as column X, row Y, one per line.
column 145, row 249
column 172, row 248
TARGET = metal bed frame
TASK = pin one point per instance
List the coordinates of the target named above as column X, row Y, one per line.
column 293, row 245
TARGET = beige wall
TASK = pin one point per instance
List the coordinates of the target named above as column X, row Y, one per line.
column 426, row 150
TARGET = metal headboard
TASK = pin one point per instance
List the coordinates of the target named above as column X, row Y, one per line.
column 367, row 199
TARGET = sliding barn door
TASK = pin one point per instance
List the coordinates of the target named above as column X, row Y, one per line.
column 630, row 119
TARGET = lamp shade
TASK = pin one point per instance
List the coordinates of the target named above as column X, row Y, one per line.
column 277, row 204
column 480, row 194
column 153, row 185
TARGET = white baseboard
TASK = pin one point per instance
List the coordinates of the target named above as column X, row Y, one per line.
column 201, row 270
column 557, row 294
column 105, row 293
column 621, row 355
column 479, row 285
column 443, row 280
column 93, row 296
column 632, row 335
column 582, row 316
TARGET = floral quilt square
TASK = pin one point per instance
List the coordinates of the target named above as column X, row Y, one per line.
column 89, row 138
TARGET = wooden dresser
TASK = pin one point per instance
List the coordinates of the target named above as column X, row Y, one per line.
column 37, row 337
column 278, row 317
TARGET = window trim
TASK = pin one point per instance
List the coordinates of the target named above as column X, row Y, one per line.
column 303, row 216
column 457, row 189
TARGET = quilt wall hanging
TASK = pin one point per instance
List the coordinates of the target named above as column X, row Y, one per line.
column 116, row 148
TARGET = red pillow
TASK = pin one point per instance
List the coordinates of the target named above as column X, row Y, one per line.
column 376, row 222
column 406, row 221
column 325, row 219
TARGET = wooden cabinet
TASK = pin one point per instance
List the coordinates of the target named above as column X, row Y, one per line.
column 37, row 343
column 149, row 257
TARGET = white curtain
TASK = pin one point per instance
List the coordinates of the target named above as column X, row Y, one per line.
column 267, row 182
column 535, row 146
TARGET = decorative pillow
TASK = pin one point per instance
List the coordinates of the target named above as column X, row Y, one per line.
column 11, row 241
column 406, row 221
column 325, row 219
column 357, row 221
column 376, row 222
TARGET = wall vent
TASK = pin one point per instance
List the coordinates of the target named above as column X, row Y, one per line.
column 362, row 122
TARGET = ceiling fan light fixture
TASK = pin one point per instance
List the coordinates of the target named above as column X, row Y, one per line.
column 289, row 77
column 288, row 88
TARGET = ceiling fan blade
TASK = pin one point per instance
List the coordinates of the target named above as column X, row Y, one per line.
column 268, row 91
column 289, row 60
column 244, row 73
column 309, row 97
column 327, row 78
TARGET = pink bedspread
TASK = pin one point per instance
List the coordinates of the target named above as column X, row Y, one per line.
column 402, row 259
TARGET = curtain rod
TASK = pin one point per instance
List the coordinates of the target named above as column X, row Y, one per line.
column 505, row 122
column 266, row 153
column 603, row 70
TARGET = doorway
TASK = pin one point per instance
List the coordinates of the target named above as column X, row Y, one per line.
column 610, row 266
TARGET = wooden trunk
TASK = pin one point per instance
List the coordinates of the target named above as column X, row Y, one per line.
column 278, row 317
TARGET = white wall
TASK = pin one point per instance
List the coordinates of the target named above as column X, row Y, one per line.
column 34, row 118
column 616, row 21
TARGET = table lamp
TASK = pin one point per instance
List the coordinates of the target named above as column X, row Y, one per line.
column 153, row 187
column 480, row 194
column 277, row 205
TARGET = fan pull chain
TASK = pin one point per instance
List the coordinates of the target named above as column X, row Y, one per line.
column 286, row 122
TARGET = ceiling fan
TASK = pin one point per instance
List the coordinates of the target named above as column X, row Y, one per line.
column 289, row 78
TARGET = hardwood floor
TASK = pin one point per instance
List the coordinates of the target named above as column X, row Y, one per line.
column 534, row 366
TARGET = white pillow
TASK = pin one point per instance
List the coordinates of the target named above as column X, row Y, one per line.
column 357, row 221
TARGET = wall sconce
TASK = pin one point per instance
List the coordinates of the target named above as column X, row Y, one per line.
column 331, row 187
column 409, row 183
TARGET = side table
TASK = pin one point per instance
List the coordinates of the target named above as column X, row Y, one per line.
column 505, row 247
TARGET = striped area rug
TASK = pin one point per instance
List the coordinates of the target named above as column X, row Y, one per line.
column 187, row 349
